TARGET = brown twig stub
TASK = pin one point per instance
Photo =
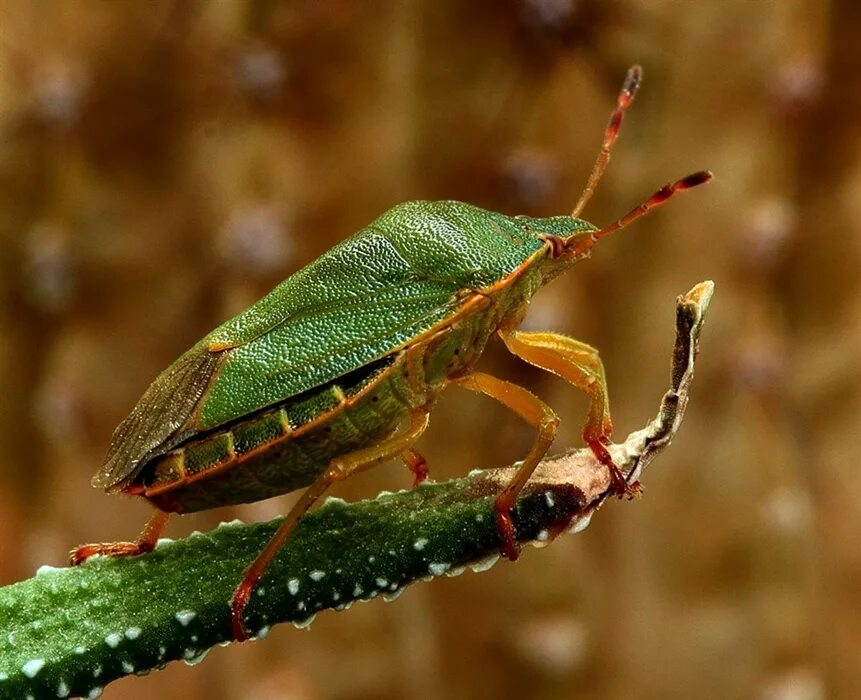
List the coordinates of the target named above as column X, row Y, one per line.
column 581, row 470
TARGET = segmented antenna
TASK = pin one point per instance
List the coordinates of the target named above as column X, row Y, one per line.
column 656, row 200
column 611, row 133
column 578, row 245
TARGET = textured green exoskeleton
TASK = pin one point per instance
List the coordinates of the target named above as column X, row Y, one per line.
column 311, row 384
column 334, row 331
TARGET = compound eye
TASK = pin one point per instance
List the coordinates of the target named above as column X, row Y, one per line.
column 555, row 245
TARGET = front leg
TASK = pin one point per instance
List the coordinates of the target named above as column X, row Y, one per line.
column 581, row 365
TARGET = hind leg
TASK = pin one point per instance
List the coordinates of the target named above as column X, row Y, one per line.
column 417, row 465
column 145, row 542
column 338, row 470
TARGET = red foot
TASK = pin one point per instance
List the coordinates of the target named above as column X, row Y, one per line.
column 418, row 466
column 635, row 490
column 506, row 532
column 420, row 473
column 237, row 607
column 618, row 484
column 112, row 549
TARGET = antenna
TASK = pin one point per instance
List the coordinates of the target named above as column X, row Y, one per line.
column 656, row 200
column 611, row 133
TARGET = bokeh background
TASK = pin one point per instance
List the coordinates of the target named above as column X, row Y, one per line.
column 164, row 164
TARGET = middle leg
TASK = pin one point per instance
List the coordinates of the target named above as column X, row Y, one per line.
column 537, row 414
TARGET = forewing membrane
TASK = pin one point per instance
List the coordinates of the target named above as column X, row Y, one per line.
column 205, row 389
column 157, row 420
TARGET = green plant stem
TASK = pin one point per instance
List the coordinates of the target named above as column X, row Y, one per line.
column 70, row 631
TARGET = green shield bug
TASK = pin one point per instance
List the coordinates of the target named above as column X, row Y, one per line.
column 313, row 383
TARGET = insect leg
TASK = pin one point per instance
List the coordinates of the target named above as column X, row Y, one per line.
column 417, row 465
column 581, row 365
column 415, row 370
column 339, row 469
column 537, row 414
column 145, row 542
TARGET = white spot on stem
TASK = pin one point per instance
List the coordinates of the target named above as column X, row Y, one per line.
column 306, row 623
column 484, row 564
column 580, row 524
column 394, row 595
column 32, row 667
column 183, row 617
column 193, row 657
column 46, row 569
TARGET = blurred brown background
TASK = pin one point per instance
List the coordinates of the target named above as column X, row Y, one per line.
column 164, row 164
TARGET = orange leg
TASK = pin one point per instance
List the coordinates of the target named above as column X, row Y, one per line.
column 145, row 543
column 417, row 465
column 338, row 470
column 537, row 414
column 581, row 365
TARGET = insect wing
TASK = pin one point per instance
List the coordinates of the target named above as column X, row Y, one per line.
column 314, row 348
column 158, row 418
column 356, row 303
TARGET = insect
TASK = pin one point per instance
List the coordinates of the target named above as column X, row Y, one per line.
column 337, row 368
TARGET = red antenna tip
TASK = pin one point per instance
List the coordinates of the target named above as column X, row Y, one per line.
column 657, row 199
column 630, row 86
column 694, row 180
column 626, row 96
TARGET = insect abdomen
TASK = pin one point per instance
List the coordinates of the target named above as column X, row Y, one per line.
column 283, row 448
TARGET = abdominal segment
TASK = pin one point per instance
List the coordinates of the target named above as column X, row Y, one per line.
column 282, row 448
